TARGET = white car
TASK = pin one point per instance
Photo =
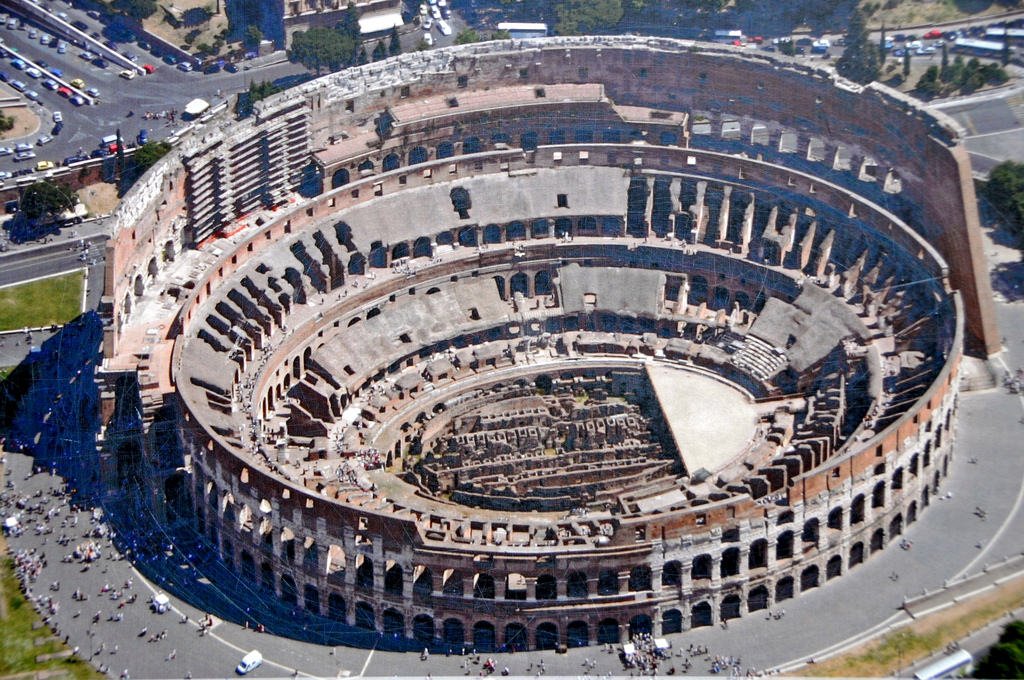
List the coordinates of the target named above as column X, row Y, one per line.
column 249, row 662
column 427, row 24
column 435, row 12
column 443, row 26
column 6, row 151
column 428, row 39
column 33, row 72
column 33, row 95
column 128, row 74
column 58, row 117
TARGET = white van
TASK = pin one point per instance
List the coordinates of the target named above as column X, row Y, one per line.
column 250, row 662
column 108, row 140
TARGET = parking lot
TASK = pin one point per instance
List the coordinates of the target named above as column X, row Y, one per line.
column 143, row 101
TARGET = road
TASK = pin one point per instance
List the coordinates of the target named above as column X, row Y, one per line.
column 166, row 89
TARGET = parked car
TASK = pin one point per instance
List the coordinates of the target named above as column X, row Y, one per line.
column 4, row 77
column 143, row 136
column 62, row 47
column 45, row 165
column 18, row 64
column 78, row 100
column 148, row 68
column 6, row 151
column 32, row 94
column 86, row 55
column 80, row 25
column 44, row 139
column 128, row 74
column 24, row 155
column 230, row 68
column 33, row 72
column 93, row 92
column 58, row 117
column 249, row 662
column 170, row 60
column 18, row 85
column 50, row 84
column 64, row 91
column 23, row 146
column 100, row 62
column 78, row 82
column 74, row 159
column 185, row 66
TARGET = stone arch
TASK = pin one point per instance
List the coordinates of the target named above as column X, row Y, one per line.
column 811, row 531
column 365, row 617
column 336, row 607
column 757, row 598
column 393, row 623
column 267, row 576
column 364, row 572
column 896, row 525
column 421, row 247
column 483, row 587
column 912, row 512
column 451, row 583
column 576, row 585
column 311, row 598
column 528, row 140
column 546, row 588
column 391, row 162
column 877, row 540
column 472, row 145
column 577, row 634
column 809, row 578
column 248, row 566
column 835, row 518
column 289, row 591
column 423, row 587
column 698, row 290
column 834, row 567
column 857, row 509
column 542, row 283
column 516, row 638
column 608, row 632
column 672, row 573
column 671, row 621
column 467, row 237
column 393, row 579
column 701, row 615
column 418, row 154
column 608, row 582
column 784, row 589
column 453, row 632
column 730, row 562
column 515, row 231
column 545, row 636
column 720, row 298
column 484, row 637
column 701, row 569
column 139, row 287
column 168, row 251
column 519, row 283
column 357, row 264
column 540, row 228
column 757, row 558
column 878, row 495
column 640, row 624
column 400, row 250
column 445, row 150
column 366, row 167
column 340, row 178
column 492, row 234
column 856, row 554
column 152, row 268
column 640, row 578
column 515, row 587
column 423, row 629
column 784, row 545
column 730, row 607
column 563, row 227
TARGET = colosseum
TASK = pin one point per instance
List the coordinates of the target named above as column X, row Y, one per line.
column 570, row 339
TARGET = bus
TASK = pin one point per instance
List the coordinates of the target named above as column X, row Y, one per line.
column 956, row 665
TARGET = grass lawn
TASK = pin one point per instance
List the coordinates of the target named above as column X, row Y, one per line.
column 18, row 650
column 55, row 300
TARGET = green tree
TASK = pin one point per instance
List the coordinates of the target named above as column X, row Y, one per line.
column 320, row 48
column 349, row 24
column 929, row 83
column 46, row 199
column 6, row 122
column 501, row 35
column 380, row 51
column 363, row 58
column 906, row 63
column 467, row 36
column 1005, row 191
column 577, row 17
column 253, row 37
column 136, row 9
column 148, row 154
column 1006, row 658
column 394, row 43
column 860, row 62
column 1005, row 55
column 944, row 69
column 882, row 51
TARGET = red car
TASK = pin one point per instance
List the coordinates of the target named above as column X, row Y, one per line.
column 63, row 91
column 933, row 34
column 148, row 68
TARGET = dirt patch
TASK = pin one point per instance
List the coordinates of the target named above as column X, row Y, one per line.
column 100, row 198
column 924, row 636
column 177, row 20
column 923, row 12
column 26, row 122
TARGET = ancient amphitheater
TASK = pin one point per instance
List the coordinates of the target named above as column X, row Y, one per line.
column 580, row 338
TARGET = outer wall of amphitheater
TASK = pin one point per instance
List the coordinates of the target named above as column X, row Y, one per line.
column 763, row 125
